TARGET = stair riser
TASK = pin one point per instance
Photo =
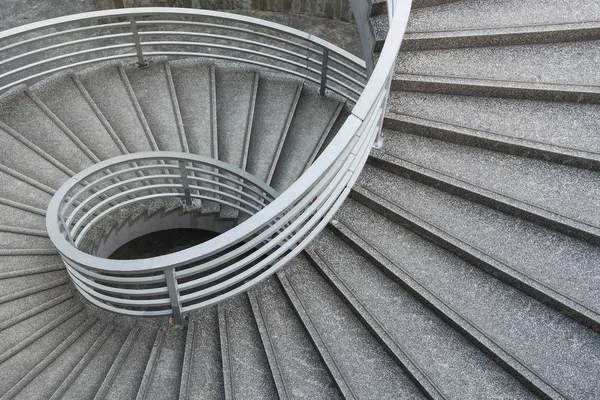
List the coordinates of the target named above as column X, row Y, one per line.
column 524, row 91
column 464, row 40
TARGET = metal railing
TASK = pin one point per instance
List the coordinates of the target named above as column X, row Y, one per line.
column 239, row 258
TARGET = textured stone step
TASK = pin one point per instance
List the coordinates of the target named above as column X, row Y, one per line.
column 55, row 370
column 85, row 379
column 358, row 363
column 114, row 98
column 16, row 214
column 68, row 100
column 23, row 239
column 492, row 182
column 537, row 72
column 21, row 324
column 155, row 93
column 313, row 120
column 530, row 340
column 196, row 94
column 14, row 264
column 202, row 373
column 35, row 348
column 276, row 104
column 475, row 14
column 246, row 370
column 287, row 345
column 564, row 133
column 28, row 117
column 163, row 371
column 429, row 350
column 10, row 286
column 24, row 191
column 125, row 375
column 558, row 270
column 24, row 161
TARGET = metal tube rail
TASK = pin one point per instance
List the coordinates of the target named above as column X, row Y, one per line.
column 283, row 224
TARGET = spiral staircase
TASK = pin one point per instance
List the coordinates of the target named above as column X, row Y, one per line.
column 464, row 263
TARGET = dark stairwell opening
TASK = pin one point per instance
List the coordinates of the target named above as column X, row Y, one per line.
column 161, row 243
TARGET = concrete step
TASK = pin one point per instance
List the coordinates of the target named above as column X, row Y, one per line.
column 287, row 345
column 537, row 72
column 549, row 266
column 313, row 120
column 476, row 24
column 13, row 264
column 564, row 133
column 26, row 162
column 536, row 198
column 86, row 378
column 11, row 285
column 21, row 191
column 68, row 100
column 475, row 15
column 196, row 94
column 23, row 358
column 429, row 3
column 113, row 97
column 429, row 350
column 28, row 117
column 55, row 371
column 163, row 371
column 357, row 362
column 20, row 238
column 13, row 213
column 276, row 104
column 528, row 339
column 202, row 373
column 236, row 99
column 125, row 375
column 246, row 370
column 155, row 93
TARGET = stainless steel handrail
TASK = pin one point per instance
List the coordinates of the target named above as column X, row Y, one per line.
column 252, row 251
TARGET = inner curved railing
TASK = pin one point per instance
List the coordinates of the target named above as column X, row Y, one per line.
column 281, row 227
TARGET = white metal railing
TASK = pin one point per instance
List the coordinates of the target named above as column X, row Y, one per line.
column 279, row 229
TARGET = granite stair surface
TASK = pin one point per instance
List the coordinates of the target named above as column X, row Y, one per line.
column 464, row 265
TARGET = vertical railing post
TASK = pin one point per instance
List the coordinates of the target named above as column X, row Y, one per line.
column 324, row 63
column 378, row 144
column 189, row 203
column 64, row 224
column 174, row 296
column 141, row 63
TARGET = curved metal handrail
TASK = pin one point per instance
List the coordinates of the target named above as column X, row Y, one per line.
column 252, row 251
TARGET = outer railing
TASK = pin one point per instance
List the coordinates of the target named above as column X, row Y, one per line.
column 247, row 254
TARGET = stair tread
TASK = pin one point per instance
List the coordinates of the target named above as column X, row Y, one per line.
column 434, row 347
column 62, row 96
column 153, row 92
column 24, row 116
column 245, row 366
column 203, row 369
column 22, row 192
column 360, row 359
column 129, row 376
column 558, row 350
column 564, row 125
column 194, row 85
column 26, row 359
column 111, row 96
column 13, row 216
column 275, row 104
column 473, row 14
column 236, row 91
column 283, row 332
column 496, row 173
column 541, row 64
column 563, row 264
column 312, row 122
